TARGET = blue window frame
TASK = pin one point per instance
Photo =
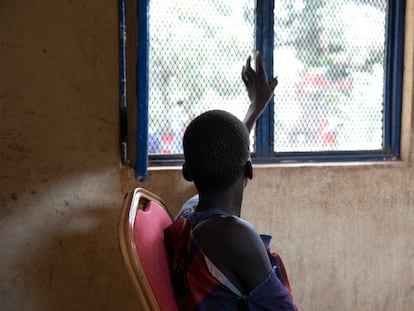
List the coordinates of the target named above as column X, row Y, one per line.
column 264, row 149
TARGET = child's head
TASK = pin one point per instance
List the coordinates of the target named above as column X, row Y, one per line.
column 216, row 149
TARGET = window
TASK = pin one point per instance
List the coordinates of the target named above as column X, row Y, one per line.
column 339, row 64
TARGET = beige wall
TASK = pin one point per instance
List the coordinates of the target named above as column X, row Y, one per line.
column 345, row 232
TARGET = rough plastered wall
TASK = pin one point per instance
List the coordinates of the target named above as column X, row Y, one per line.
column 60, row 178
column 345, row 232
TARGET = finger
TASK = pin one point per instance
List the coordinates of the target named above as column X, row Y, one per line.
column 247, row 77
column 273, row 84
column 248, row 74
column 244, row 77
column 248, row 66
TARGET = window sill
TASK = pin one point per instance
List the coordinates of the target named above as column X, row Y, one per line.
column 391, row 164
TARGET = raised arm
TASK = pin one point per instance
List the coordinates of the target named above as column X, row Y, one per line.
column 258, row 89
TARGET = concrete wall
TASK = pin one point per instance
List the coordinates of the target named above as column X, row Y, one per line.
column 345, row 232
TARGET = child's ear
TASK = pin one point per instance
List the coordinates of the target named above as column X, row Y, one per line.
column 186, row 173
column 248, row 169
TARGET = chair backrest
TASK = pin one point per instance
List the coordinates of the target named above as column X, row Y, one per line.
column 143, row 219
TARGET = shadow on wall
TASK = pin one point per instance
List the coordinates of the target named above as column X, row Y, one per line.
column 59, row 175
column 60, row 248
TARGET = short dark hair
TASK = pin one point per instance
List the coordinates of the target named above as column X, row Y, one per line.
column 216, row 148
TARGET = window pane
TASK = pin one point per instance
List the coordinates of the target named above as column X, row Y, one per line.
column 197, row 50
column 329, row 56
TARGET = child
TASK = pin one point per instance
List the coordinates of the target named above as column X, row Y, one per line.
column 219, row 260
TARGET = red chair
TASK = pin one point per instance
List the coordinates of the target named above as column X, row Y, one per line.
column 143, row 219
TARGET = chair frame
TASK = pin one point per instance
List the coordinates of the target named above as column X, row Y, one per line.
column 134, row 201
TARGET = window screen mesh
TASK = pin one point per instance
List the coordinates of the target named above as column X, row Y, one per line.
column 197, row 50
column 329, row 56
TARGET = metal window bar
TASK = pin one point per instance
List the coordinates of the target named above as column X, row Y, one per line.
column 264, row 38
column 394, row 76
column 142, row 91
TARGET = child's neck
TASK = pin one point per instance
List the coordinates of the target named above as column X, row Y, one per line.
column 229, row 200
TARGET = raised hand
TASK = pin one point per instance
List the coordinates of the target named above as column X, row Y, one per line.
column 258, row 89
